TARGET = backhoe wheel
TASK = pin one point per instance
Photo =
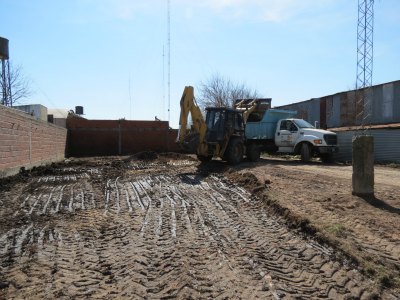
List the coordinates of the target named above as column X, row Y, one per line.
column 234, row 151
column 253, row 152
column 204, row 159
column 305, row 152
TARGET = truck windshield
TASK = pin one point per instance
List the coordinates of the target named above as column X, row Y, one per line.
column 303, row 124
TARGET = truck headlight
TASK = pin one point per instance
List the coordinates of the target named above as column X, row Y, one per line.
column 318, row 142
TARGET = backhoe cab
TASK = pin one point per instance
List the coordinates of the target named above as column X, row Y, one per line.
column 220, row 135
column 225, row 134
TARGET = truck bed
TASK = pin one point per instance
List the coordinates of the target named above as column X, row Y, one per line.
column 265, row 129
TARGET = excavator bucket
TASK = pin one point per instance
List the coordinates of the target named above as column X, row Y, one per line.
column 253, row 109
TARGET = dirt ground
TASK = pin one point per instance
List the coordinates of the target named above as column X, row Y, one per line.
column 366, row 229
column 164, row 226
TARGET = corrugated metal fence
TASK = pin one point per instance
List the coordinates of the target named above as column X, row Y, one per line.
column 386, row 145
column 340, row 109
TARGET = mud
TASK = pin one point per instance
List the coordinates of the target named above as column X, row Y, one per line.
column 168, row 227
column 317, row 198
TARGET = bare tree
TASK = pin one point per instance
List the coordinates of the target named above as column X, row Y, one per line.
column 220, row 91
column 21, row 86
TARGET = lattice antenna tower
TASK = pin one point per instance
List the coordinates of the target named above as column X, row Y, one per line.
column 5, row 76
column 163, row 80
column 169, row 57
column 365, row 55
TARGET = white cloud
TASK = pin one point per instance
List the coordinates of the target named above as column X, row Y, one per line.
column 122, row 9
column 260, row 10
column 119, row 9
column 257, row 10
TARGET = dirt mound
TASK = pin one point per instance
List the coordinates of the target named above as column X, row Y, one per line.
column 176, row 156
column 293, row 220
column 211, row 167
column 8, row 182
column 146, row 155
column 53, row 169
column 247, row 180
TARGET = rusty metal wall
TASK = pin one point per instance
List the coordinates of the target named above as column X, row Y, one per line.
column 307, row 110
column 333, row 111
column 348, row 108
column 322, row 113
column 340, row 110
column 396, row 101
column 386, row 145
column 382, row 104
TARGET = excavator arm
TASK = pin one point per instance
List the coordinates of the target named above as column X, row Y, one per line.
column 199, row 127
column 246, row 108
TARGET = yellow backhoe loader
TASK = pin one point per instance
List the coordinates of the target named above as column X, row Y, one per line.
column 221, row 134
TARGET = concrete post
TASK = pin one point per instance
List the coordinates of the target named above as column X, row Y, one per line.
column 363, row 165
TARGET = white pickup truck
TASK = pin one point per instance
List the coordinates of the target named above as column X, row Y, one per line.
column 278, row 131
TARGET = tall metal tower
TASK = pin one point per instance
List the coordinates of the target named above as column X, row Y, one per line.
column 5, row 77
column 169, row 58
column 365, row 54
column 163, row 81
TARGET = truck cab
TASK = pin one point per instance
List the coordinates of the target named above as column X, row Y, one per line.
column 278, row 131
column 300, row 137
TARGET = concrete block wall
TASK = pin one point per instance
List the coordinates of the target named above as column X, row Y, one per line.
column 118, row 137
column 28, row 142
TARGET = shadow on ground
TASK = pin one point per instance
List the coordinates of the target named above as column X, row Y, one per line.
column 375, row 202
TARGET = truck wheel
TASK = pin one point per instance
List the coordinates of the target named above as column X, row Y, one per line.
column 253, row 152
column 305, row 152
column 327, row 158
column 204, row 159
column 234, row 151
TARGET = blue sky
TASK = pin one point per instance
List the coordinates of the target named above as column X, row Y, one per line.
column 107, row 55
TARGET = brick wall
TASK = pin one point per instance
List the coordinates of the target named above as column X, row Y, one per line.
column 118, row 137
column 27, row 142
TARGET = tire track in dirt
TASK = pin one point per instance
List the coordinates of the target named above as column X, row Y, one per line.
column 375, row 241
column 162, row 234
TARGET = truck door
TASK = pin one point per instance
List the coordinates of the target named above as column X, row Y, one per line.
column 286, row 134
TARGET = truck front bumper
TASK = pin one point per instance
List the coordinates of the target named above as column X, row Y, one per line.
column 328, row 149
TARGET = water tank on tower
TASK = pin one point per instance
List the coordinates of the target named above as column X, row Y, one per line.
column 4, row 54
column 5, row 78
column 79, row 110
